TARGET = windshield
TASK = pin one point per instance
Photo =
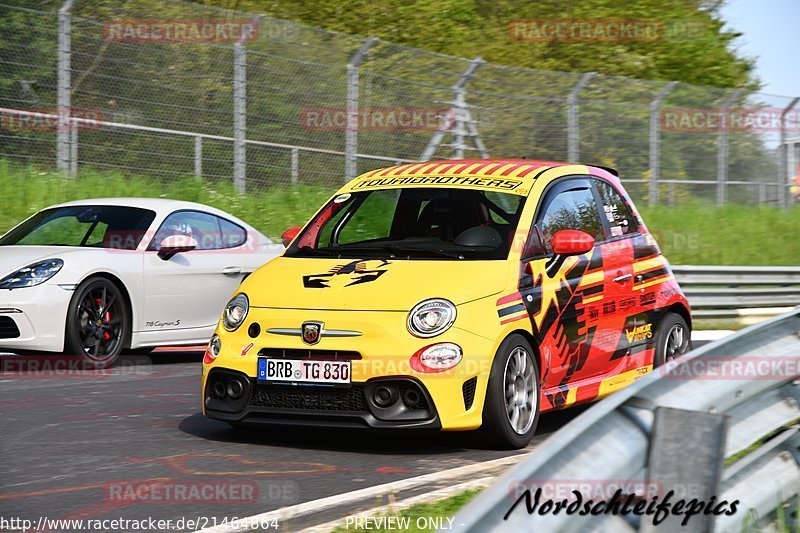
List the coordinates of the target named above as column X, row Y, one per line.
column 413, row 223
column 85, row 226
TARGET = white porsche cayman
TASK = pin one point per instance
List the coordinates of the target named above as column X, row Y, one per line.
column 96, row 277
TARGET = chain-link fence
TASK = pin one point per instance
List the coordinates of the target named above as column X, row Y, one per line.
column 168, row 89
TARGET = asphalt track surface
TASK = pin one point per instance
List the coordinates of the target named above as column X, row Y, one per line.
column 132, row 443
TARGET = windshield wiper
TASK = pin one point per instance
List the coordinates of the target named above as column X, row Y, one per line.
column 397, row 249
column 318, row 251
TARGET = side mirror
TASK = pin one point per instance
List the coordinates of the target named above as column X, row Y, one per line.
column 572, row 242
column 175, row 244
column 288, row 236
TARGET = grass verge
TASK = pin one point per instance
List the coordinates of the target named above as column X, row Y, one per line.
column 690, row 233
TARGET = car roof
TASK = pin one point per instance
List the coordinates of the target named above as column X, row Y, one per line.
column 162, row 206
column 511, row 168
column 156, row 204
column 492, row 172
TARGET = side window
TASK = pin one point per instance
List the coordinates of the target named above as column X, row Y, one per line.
column 616, row 211
column 233, row 235
column 202, row 227
column 573, row 208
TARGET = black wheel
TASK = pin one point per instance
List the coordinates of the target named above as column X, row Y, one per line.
column 673, row 339
column 138, row 351
column 511, row 410
column 98, row 324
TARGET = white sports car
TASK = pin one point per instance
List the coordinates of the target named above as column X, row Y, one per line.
column 95, row 277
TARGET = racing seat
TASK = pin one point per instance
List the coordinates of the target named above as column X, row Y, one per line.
column 447, row 217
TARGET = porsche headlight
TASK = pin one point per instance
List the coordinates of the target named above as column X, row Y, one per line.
column 32, row 275
column 235, row 312
column 431, row 317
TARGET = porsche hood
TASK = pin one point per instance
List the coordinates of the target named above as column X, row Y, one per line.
column 12, row 258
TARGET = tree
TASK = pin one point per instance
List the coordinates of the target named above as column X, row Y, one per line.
column 693, row 48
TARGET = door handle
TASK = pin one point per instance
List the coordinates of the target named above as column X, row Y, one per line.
column 623, row 279
column 228, row 271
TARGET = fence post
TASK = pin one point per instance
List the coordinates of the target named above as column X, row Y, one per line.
column 239, row 116
column 722, row 149
column 240, row 112
column 351, row 129
column 655, row 141
column 573, row 139
column 787, row 158
column 458, row 110
column 460, row 127
column 295, row 165
column 198, row 157
column 64, row 87
column 73, row 149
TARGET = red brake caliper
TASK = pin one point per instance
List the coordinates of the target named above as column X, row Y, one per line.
column 106, row 335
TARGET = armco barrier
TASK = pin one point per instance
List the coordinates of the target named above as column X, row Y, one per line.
column 734, row 291
column 736, row 439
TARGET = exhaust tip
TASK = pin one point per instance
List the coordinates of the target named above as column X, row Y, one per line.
column 235, row 389
column 218, row 389
column 384, row 396
column 411, row 398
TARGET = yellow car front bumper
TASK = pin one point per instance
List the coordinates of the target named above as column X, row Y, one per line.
column 384, row 348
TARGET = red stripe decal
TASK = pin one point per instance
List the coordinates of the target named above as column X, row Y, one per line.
column 588, row 392
column 510, row 170
column 514, row 318
column 529, row 170
column 513, row 297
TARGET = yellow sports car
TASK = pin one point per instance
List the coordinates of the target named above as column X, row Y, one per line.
column 450, row 295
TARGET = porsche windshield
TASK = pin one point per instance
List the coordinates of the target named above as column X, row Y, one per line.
column 96, row 226
column 413, row 223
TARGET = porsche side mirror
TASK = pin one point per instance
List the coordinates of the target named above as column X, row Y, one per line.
column 572, row 242
column 288, row 236
column 175, row 244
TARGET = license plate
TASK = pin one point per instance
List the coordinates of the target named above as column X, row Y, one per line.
column 303, row 371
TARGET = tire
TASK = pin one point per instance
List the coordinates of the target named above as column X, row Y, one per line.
column 673, row 339
column 514, row 369
column 95, row 334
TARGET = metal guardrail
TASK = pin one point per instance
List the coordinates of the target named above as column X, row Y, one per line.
column 736, row 439
column 733, row 291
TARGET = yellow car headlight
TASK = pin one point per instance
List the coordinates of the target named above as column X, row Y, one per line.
column 235, row 312
column 431, row 317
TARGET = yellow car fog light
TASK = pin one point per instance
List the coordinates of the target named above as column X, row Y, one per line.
column 436, row 358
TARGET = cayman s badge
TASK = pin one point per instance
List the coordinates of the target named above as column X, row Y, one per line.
column 311, row 332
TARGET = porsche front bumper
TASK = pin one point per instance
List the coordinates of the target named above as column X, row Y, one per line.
column 33, row 318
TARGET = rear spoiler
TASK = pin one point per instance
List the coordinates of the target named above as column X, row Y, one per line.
column 608, row 169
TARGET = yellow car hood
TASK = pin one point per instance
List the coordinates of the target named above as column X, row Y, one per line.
column 371, row 284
